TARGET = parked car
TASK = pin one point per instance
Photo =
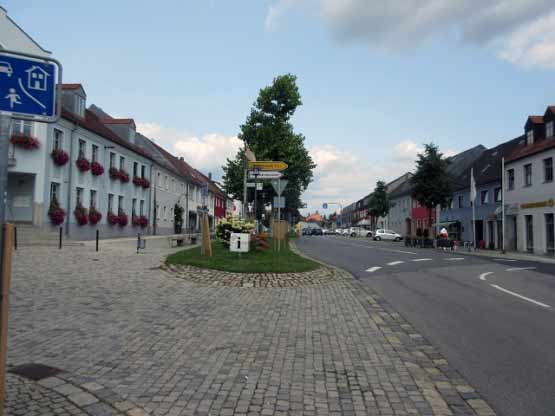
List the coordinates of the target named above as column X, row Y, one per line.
column 317, row 231
column 306, row 231
column 359, row 232
column 382, row 234
column 6, row 68
column 345, row 231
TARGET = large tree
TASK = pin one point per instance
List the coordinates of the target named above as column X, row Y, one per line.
column 379, row 203
column 432, row 182
column 269, row 133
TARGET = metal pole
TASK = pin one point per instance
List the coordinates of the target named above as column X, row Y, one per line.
column 60, row 238
column 503, row 204
column 279, row 215
column 97, row 237
column 254, row 210
column 15, row 238
column 245, row 172
column 138, row 242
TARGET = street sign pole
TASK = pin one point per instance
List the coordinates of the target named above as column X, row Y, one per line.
column 279, row 217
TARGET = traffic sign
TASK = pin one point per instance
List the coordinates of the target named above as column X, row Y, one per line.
column 265, row 174
column 325, row 205
column 268, row 165
column 28, row 86
column 279, row 202
column 279, row 185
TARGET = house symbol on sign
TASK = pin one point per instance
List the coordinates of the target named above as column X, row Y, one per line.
column 36, row 78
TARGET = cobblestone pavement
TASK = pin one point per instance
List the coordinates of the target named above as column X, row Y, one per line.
column 171, row 347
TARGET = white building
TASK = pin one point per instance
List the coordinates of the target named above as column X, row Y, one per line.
column 530, row 189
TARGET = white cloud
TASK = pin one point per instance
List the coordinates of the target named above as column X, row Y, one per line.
column 206, row 153
column 521, row 31
column 275, row 11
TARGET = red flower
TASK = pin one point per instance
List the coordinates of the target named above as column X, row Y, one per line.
column 60, row 157
column 143, row 221
column 113, row 219
column 55, row 213
column 138, row 181
column 114, row 173
column 94, row 216
column 146, row 183
column 123, row 176
column 81, row 215
column 97, row 169
column 83, row 164
column 122, row 220
column 26, row 142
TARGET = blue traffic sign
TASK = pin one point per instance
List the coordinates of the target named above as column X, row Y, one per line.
column 27, row 86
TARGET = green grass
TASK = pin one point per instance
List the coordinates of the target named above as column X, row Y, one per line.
column 268, row 261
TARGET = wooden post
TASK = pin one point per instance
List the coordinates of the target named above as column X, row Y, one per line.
column 4, row 298
column 206, row 245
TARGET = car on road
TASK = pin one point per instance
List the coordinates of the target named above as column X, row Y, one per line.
column 306, row 231
column 345, row 231
column 6, row 68
column 359, row 232
column 383, row 234
column 317, row 231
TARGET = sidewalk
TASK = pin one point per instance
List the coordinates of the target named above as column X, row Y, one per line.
column 511, row 255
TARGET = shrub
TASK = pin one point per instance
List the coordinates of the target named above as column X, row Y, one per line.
column 232, row 225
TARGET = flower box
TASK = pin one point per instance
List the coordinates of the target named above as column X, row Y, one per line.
column 122, row 220
column 114, row 173
column 60, row 157
column 81, row 215
column 146, row 183
column 142, row 182
column 113, row 219
column 139, row 221
column 56, row 214
column 25, row 142
column 94, row 216
column 97, row 169
column 83, row 164
column 123, row 176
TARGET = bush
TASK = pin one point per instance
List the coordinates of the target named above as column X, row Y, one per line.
column 232, row 225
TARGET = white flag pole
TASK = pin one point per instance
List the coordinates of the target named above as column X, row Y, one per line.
column 473, row 202
column 503, row 204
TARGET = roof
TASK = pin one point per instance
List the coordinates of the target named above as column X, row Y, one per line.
column 487, row 168
column 71, row 86
column 316, row 217
column 111, row 120
column 523, row 151
column 92, row 123
column 535, row 119
column 462, row 161
column 24, row 32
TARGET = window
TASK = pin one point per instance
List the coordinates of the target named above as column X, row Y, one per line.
column 143, row 171
column 23, row 127
column 529, row 137
column 548, row 169
column 159, row 181
column 549, row 233
column 135, row 169
column 120, row 203
column 484, row 197
column 82, row 148
column 122, row 163
column 112, row 160
column 79, row 197
column 92, row 201
column 497, row 194
column 142, row 207
column 173, row 185
column 55, row 191
column 549, row 129
column 158, row 211
column 528, row 174
column 461, row 202
column 511, row 179
column 80, row 106
column 134, row 206
column 167, row 182
column 58, row 139
column 111, row 203
column 165, row 214
column 171, row 214
column 94, row 153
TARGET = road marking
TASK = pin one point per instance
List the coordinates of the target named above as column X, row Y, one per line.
column 373, row 269
column 396, row 251
column 456, row 259
column 517, row 269
column 543, row 305
column 484, row 275
column 422, row 260
column 505, row 259
column 395, row 263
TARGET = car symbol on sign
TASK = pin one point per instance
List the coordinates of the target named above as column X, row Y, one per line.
column 6, row 68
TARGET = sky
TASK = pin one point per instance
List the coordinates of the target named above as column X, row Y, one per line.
column 377, row 79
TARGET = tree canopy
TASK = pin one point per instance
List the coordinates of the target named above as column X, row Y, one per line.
column 269, row 133
column 379, row 202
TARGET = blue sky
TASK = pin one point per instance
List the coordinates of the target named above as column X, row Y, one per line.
column 376, row 82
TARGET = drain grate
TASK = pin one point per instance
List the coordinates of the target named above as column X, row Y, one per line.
column 34, row 371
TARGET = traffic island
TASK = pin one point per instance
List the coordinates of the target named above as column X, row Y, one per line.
column 268, row 268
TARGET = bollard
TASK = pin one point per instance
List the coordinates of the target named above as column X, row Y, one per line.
column 60, row 239
column 138, row 242
column 97, row 235
column 15, row 238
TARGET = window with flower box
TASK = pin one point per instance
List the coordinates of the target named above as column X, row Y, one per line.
column 94, row 153
column 111, row 203
column 135, row 169
column 112, row 160
column 143, row 171
column 24, row 127
column 120, row 203
column 79, row 196
column 134, row 206
column 54, row 191
column 82, row 148
column 92, row 201
column 142, row 207
column 122, row 163
column 58, row 139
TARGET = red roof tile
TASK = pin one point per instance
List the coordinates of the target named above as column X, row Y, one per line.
column 525, row 151
column 536, row 119
column 117, row 121
column 71, row 86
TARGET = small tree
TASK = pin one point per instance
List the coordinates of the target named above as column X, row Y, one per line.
column 379, row 203
column 178, row 218
column 432, row 183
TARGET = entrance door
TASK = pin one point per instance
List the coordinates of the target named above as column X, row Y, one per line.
column 21, row 189
column 499, row 234
column 515, row 234
column 549, row 234
column 529, row 222
column 491, row 239
column 479, row 232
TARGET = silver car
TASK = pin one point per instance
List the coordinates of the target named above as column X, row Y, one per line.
column 6, row 68
column 383, row 234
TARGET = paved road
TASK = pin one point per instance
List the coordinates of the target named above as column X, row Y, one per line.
column 493, row 319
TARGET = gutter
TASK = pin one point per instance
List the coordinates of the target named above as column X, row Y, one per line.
column 69, row 180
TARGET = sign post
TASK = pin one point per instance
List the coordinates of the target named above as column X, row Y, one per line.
column 279, row 185
column 27, row 91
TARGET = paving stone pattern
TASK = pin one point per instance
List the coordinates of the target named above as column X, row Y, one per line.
column 170, row 346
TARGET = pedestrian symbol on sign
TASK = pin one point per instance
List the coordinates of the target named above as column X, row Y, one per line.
column 13, row 97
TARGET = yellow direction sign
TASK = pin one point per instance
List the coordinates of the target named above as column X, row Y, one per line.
column 268, row 165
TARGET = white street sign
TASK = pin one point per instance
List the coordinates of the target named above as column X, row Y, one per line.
column 279, row 202
column 279, row 185
column 265, row 174
column 239, row 242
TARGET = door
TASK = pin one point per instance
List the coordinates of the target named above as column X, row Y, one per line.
column 515, row 234
column 529, row 226
column 491, row 240
column 549, row 234
column 479, row 232
column 499, row 234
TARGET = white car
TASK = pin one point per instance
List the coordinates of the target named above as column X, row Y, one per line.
column 359, row 232
column 6, row 68
column 344, row 231
column 382, row 234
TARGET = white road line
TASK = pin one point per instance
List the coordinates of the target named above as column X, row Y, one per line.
column 455, row 259
column 543, row 305
column 395, row 263
column 397, row 251
column 422, row 260
column 517, row 269
column 484, row 275
column 505, row 259
column 373, row 269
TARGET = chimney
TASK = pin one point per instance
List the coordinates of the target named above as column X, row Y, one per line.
column 74, row 99
column 181, row 158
